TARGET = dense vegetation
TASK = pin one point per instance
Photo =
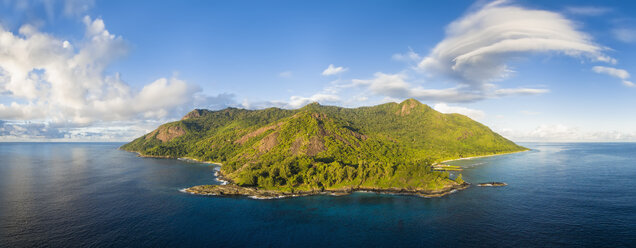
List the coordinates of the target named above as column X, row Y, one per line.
column 325, row 147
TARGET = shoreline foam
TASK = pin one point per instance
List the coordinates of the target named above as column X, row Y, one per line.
column 278, row 194
column 262, row 194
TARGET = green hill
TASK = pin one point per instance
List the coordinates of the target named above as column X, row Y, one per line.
column 388, row 146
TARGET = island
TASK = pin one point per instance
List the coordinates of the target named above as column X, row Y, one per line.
column 391, row 148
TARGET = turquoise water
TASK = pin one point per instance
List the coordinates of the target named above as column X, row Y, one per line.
column 91, row 194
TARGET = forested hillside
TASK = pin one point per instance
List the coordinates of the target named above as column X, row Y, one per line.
column 385, row 146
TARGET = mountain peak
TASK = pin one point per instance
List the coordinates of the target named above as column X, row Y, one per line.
column 407, row 105
column 194, row 113
column 411, row 101
column 311, row 106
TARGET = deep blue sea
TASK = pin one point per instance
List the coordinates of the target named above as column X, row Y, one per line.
column 94, row 195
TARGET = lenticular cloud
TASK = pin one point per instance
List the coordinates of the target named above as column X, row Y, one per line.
column 478, row 46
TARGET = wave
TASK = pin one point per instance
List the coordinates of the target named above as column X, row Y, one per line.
column 270, row 197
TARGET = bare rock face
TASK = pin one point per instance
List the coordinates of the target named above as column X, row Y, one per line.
column 166, row 134
column 234, row 190
column 258, row 132
column 269, row 142
column 407, row 106
column 193, row 114
column 319, row 149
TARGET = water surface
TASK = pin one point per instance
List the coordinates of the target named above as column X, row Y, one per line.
column 91, row 194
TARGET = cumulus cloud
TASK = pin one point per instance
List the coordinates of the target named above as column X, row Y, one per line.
column 472, row 113
column 18, row 131
column 478, row 46
column 299, row 101
column 220, row 101
column 55, row 80
column 332, row 70
column 614, row 72
column 293, row 102
column 554, row 132
column 50, row 131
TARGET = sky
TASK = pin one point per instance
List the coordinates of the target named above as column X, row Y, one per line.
column 547, row 71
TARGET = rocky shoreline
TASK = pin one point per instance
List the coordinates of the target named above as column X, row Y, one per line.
column 228, row 188
column 492, row 184
column 256, row 193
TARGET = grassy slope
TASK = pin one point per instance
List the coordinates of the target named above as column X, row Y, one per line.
column 385, row 146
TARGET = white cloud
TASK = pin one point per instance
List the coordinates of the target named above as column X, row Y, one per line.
column 587, row 10
column 564, row 133
column 360, row 98
column 619, row 73
column 217, row 102
column 51, row 9
column 393, row 85
column 554, row 132
column 50, row 79
column 477, row 49
column 49, row 131
column 332, row 70
column 294, row 102
column 520, row 91
column 626, row 35
column 614, row 72
column 472, row 113
column 77, row 7
column 299, row 101
column 285, row 74
column 396, row 86
column 410, row 56
column 478, row 46
column 16, row 131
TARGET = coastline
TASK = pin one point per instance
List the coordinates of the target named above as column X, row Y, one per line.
column 482, row 156
column 189, row 159
column 228, row 188
column 217, row 171
column 263, row 194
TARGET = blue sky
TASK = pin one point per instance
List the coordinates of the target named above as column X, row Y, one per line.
column 113, row 70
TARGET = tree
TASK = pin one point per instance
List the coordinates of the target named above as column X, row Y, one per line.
column 459, row 179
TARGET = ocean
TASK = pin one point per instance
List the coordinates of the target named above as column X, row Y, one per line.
column 92, row 194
